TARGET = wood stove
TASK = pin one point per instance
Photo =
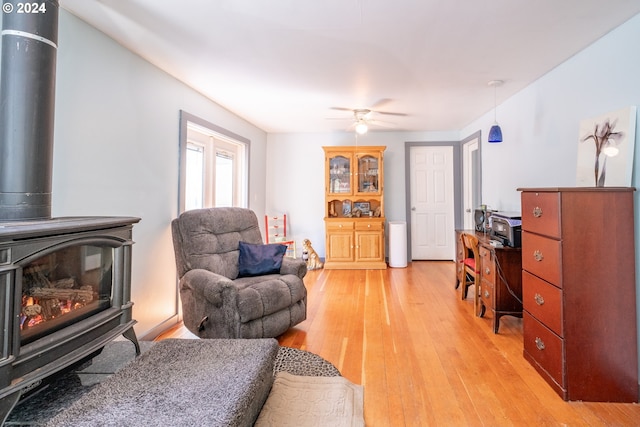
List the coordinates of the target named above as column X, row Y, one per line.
column 65, row 283
column 65, row 291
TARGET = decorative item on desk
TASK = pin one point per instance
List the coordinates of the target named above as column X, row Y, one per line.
column 495, row 133
column 609, row 160
column 482, row 219
column 313, row 260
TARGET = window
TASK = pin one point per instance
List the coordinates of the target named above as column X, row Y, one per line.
column 194, row 184
column 213, row 167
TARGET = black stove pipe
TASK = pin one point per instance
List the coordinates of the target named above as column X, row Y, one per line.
column 27, row 102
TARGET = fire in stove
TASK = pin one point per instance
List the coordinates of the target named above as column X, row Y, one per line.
column 47, row 300
column 65, row 285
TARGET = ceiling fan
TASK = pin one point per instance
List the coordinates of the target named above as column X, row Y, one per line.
column 363, row 116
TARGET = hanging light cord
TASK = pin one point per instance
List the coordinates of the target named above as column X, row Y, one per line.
column 495, row 104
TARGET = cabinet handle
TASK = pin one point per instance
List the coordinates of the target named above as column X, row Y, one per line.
column 539, row 344
column 486, row 294
column 339, row 225
column 369, row 226
column 537, row 212
column 539, row 299
column 537, row 255
column 487, row 270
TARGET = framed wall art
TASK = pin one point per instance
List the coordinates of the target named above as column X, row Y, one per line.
column 605, row 149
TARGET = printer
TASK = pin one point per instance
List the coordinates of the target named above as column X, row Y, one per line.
column 506, row 228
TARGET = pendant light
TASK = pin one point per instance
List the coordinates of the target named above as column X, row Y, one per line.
column 495, row 133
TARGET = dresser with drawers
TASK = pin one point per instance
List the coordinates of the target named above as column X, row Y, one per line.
column 579, row 291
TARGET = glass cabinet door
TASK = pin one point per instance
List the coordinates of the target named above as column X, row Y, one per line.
column 368, row 174
column 340, row 174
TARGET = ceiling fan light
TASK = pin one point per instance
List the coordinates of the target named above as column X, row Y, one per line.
column 495, row 133
column 362, row 128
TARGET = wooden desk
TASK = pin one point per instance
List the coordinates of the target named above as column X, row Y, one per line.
column 500, row 277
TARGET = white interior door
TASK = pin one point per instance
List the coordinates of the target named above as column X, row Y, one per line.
column 470, row 181
column 432, row 203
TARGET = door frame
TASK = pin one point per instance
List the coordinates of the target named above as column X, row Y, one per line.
column 457, row 179
column 475, row 137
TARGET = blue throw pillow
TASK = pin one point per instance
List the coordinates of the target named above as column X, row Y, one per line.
column 256, row 260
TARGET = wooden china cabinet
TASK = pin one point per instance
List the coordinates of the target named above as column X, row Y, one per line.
column 354, row 207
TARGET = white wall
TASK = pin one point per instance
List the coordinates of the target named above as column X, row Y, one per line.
column 116, row 152
column 295, row 176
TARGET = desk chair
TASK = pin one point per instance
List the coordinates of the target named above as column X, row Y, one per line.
column 471, row 268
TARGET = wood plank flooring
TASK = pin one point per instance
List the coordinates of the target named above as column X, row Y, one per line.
column 424, row 359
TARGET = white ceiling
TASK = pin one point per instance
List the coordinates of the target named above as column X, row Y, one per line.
column 282, row 64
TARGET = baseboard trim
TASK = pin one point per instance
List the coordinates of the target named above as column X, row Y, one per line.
column 162, row 327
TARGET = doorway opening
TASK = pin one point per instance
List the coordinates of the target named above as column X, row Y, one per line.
column 441, row 238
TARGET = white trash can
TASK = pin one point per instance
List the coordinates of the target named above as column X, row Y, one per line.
column 397, row 244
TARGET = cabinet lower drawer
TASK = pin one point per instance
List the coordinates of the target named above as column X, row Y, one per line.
column 542, row 300
column 544, row 347
column 542, row 256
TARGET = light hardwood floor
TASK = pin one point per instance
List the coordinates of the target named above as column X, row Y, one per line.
column 424, row 359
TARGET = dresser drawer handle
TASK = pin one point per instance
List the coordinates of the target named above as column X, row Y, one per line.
column 537, row 255
column 537, row 212
column 369, row 226
column 539, row 344
column 539, row 299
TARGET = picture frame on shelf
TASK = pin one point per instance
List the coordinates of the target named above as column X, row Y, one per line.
column 364, row 207
column 346, row 208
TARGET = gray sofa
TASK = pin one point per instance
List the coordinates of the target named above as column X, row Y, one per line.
column 216, row 302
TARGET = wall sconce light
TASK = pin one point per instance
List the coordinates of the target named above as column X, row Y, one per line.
column 495, row 133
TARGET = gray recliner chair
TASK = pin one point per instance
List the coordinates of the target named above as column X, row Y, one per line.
column 216, row 302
